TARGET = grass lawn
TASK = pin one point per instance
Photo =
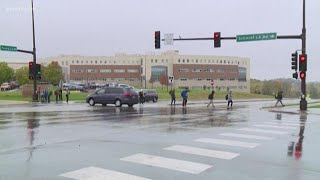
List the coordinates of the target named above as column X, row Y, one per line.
column 163, row 95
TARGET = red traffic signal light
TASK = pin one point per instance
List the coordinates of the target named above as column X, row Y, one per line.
column 302, row 62
column 302, row 75
column 217, row 39
column 157, row 40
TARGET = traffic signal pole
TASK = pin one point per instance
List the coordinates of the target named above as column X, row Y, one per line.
column 303, row 101
column 33, row 52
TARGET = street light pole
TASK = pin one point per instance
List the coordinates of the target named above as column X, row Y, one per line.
column 35, row 96
column 303, row 101
column 145, row 72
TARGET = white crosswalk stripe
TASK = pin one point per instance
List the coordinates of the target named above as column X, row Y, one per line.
column 285, row 124
column 274, row 126
column 248, row 136
column 95, row 173
column 203, row 152
column 227, row 142
column 262, row 131
column 168, row 163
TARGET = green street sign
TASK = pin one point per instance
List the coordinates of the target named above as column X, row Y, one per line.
column 7, row 48
column 256, row 37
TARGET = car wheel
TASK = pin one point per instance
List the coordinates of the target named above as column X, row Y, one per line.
column 130, row 105
column 91, row 102
column 155, row 99
column 118, row 103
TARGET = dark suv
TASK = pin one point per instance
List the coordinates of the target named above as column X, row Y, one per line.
column 150, row 95
column 113, row 95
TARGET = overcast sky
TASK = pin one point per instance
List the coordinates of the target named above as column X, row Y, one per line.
column 106, row 27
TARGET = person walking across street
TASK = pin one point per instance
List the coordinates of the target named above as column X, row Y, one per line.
column 141, row 97
column 229, row 99
column 184, row 95
column 211, row 97
column 56, row 93
column 172, row 93
column 49, row 94
column 279, row 97
column 67, row 95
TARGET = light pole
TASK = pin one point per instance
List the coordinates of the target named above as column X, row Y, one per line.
column 35, row 96
column 145, row 72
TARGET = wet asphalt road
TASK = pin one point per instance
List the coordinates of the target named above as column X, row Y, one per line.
column 158, row 141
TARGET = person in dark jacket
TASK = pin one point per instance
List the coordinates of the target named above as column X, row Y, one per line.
column 173, row 96
column 279, row 97
column 211, row 97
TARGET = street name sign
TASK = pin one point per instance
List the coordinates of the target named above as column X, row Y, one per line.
column 256, row 37
column 168, row 39
column 7, row 48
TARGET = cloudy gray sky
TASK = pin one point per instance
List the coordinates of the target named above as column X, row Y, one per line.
column 106, row 27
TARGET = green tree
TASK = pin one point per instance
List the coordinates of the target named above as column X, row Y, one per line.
column 6, row 72
column 52, row 73
column 22, row 75
column 255, row 86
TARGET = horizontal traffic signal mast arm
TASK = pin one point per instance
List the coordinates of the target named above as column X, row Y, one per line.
column 233, row 38
column 25, row 51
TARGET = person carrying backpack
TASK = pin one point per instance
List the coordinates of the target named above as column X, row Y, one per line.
column 229, row 99
column 184, row 95
column 173, row 96
column 211, row 97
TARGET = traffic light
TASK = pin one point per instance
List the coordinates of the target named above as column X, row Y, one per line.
column 294, row 61
column 295, row 75
column 31, row 68
column 302, row 75
column 217, row 39
column 303, row 62
column 38, row 69
column 157, row 40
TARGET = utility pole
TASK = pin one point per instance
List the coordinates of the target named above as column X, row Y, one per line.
column 303, row 101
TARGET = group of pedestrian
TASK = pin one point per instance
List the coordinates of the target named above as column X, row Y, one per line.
column 228, row 98
column 45, row 95
column 58, row 94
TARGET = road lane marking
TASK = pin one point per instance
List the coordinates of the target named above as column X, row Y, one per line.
column 274, row 126
column 285, row 124
column 203, row 152
column 227, row 142
column 168, row 163
column 263, row 131
column 246, row 136
column 94, row 173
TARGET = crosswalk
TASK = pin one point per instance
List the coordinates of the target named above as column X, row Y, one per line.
column 245, row 138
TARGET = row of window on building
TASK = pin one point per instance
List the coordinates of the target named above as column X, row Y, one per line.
column 236, row 62
column 209, row 70
column 106, row 79
column 63, row 63
column 105, row 71
column 207, row 79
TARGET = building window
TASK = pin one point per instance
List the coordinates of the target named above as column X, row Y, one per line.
column 151, row 60
column 178, row 60
column 196, row 70
column 96, row 62
column 77, row 62
column 187, row 60
column 162, row 60
column 100, row 62
column 105, row 70
column 196, row 60
column 183, row 79
column 184, row 70
column 156, row 60
column 167, row 60
column 157, row 72
column 92, row 71
column 62, row 63
column 133, row 71
column 72, row 62
column 183, row 61
column 119, row 71
column 67, row 63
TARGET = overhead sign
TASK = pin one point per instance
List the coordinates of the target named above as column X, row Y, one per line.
column 168, row 39
column 7, row 48
column 256, row 37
